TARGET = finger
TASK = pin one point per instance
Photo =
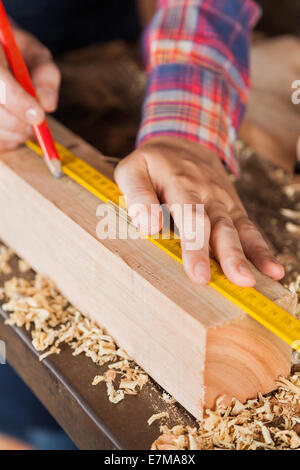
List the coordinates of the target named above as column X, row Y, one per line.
column 256, row 248
column 11, row 123
column 10, row 140
column 8, row 145
column 194, row 228
column 227, row 248
column 18, row 102
column 46, row 78
column 143, row 205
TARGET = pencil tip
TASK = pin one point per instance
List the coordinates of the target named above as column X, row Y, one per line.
column 54, row 166
column 58, row 175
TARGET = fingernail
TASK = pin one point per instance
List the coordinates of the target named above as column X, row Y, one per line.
column 280, row 268
column 243, row 269
column 33, row 116
column 200, row 272
column 48, row 97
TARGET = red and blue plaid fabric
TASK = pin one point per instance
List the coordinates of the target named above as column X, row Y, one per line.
column 197, row 55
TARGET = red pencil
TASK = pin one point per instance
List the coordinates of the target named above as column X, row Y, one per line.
column 21, row 74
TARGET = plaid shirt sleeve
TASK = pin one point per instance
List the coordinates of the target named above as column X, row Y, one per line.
column 197, row 56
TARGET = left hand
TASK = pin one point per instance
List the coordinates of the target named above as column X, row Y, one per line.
column 21, row 111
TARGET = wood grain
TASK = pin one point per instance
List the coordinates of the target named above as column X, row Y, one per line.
column 191, row 340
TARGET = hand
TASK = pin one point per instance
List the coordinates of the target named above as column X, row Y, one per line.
column 21, row 110
column 171, row 170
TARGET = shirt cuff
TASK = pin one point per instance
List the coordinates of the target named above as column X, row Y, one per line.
column 194, row 103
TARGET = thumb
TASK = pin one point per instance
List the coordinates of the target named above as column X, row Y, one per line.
column 143, row 205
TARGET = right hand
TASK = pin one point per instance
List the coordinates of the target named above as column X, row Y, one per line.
column 176, row 172
column 21, row 110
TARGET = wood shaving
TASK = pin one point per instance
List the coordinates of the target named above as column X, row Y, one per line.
column 168, row 399
column 157, row 416
column 52, row 350
column 291, row 214
column 98, row 379
column 5, row 256
column 292, row 228
column 23, row 266
column 114, row 396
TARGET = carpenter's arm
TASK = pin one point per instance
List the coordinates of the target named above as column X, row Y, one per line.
column 198, row 79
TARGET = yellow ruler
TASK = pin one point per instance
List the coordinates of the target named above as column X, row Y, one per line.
column 266, row 312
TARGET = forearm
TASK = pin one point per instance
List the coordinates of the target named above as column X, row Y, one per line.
column 198, row 73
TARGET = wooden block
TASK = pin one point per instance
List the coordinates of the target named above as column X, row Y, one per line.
column 191, row 340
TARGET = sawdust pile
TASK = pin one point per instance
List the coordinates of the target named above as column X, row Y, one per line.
column 157, row 416
column 271, row 422
column 39, row 307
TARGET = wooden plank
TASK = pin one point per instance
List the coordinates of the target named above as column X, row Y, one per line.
column 189, row 338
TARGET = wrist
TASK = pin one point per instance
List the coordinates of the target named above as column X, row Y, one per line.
column 178, row 146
